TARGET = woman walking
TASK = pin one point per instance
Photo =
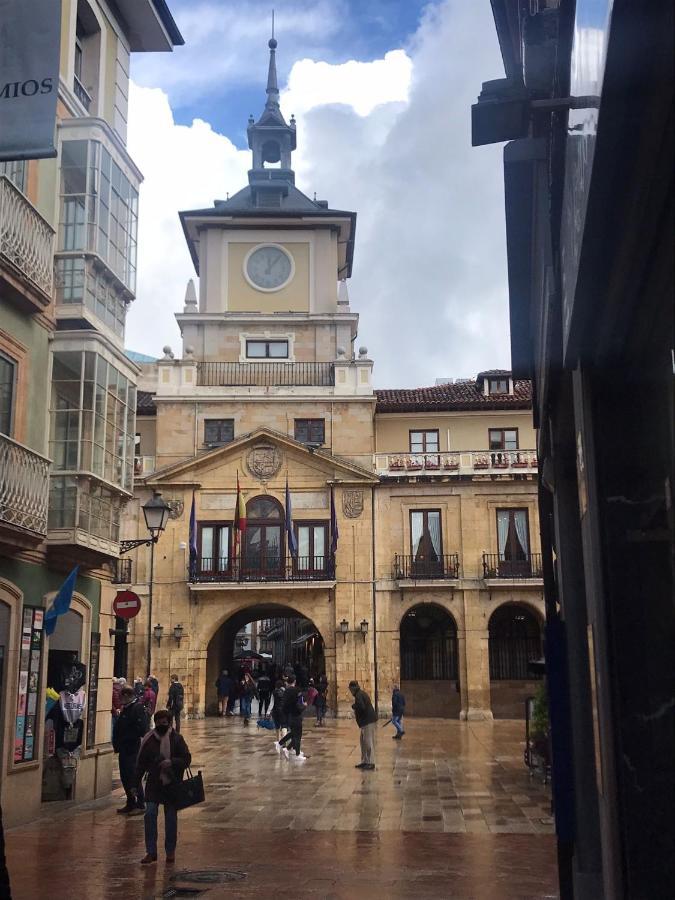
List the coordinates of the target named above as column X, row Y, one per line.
column 321, row 700
column 164, row 756
column 247, row 691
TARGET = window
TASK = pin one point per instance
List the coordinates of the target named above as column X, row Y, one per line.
column 263, row 552
column 7, row 387
column 16, row 172
column 498, row 385
column 424, row 441
column 218, row 432
column 310, row 431
column 215, row 548
column 85, row 505
column 267, row 349
column 78, row 281
column 426, row 544
column 312, row 543
column 503, row 438
column 513, row 537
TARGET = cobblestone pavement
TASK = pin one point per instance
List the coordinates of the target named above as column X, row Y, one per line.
column 450, row 811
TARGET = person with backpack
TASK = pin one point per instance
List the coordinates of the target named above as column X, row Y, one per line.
column 397, row 711
column 175, row 701
column 293, row 707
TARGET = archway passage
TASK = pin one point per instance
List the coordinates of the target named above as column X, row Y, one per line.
column 266, row 637
column 514, row 641
column 429, row 662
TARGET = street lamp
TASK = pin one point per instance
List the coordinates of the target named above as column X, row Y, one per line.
column 158, row 631
column 178, row 633
column 156, row 513
column 364, row 629
column 344, row 628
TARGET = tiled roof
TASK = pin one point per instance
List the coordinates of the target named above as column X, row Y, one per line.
column 488, row 373
column 145, row 403
column 453, row 396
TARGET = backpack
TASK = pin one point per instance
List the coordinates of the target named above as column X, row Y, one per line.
column 177, row 695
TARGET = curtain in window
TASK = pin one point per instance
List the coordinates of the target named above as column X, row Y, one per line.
column 319, row 548
column 224, row 549
column 520, row 521
column 303, row 543
column 434, row 520
column 417, row 530
column 502, row 529
column 207, row 560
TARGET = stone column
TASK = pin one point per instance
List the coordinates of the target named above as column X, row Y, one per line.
column 475, row 688
column 197, row 688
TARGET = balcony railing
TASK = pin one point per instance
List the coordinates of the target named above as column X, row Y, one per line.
column 259, row 568
column 446, row 566
column 81, row 93
column 26, row 239
column 24, row 486
column 122, row 571
column 496, row 566
column 265, row 374
column 459, row 462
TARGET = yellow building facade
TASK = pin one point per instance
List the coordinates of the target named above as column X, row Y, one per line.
column 414, row 511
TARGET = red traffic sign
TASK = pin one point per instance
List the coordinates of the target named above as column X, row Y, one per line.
column 126, row 604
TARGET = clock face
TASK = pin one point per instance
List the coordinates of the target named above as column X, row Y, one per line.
column 269, row 267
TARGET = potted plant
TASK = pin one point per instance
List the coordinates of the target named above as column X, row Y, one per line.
column 480, row 462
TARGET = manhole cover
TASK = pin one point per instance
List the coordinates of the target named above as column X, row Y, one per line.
column 207, row 876
column 183, row 892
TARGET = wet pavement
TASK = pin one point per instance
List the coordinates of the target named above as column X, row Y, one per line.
column 450, row 811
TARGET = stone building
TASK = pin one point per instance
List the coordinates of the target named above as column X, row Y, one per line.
column 414, row 511
column 67, row 394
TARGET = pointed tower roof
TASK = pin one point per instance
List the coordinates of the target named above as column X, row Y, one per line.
column 272, row 114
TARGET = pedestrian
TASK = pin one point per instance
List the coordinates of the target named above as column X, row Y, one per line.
column 175, row 701
column 247, row 691
column 154, row 684
column 264, row 687
column 130, row 727
column 149, row 698
column 321, row 700
column 397, row 711
column 164, row 756
column 278, row 714
column 225, row 689
column 366, row 717
column 139, row 688
column 116, row 705
column 293, row 708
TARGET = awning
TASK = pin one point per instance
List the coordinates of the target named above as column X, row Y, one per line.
column 303, row 638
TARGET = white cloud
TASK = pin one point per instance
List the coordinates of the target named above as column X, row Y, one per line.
column 390, row 139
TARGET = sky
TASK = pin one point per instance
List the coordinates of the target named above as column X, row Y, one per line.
column 382, row 93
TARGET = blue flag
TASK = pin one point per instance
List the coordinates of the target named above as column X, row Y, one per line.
column 193, row 536
column 334, row 532
column 290, row 530
column 61, row 603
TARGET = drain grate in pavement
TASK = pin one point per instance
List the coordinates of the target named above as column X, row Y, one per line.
column 207, row 876
column 183, row 892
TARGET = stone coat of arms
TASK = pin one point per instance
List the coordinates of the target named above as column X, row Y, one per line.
column 352, row 504
column 264, row 461
column 176, row 508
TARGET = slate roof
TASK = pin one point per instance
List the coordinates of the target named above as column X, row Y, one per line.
column 447, row 397
column 145, row 403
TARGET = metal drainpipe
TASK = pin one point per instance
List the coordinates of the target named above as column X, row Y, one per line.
column 372, row 520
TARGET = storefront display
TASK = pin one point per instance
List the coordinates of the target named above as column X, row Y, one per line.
column 30, row 663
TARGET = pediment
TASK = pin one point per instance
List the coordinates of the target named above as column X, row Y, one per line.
column 263, row 456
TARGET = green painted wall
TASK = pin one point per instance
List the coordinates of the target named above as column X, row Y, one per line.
column 35, row 581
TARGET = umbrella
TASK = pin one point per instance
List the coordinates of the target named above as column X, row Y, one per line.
column 248, row 654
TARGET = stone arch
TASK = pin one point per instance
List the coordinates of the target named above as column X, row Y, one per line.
column 515, row 637
column 429, row 660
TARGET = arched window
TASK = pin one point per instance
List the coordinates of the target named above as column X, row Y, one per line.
column 514, row 640
column 263, row 552
column 428, row 644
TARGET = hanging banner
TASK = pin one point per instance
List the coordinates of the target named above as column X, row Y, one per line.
column 30, row 43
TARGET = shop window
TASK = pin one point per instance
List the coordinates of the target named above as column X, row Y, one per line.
column 28, row 713
column 218, row 432
column 7, row 393
column 310, row 431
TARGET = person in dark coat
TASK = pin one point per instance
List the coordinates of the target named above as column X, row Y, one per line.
column 321, row 700
column 176, row 701
column 226, row 692
column 264, row 686
column 293, row 708
column 164, row 756
column 366, row 718
column 130, row 727
column 278, row 714
column 397, row 711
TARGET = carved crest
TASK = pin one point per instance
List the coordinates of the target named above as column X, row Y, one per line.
column 352, row 504
column 264, row 461
column 175, row 508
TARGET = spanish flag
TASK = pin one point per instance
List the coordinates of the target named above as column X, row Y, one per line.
column 240, row 511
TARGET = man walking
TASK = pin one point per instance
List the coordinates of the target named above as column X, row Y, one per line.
column 131, row 726
column 293, row 708
column 366, row 717
column 176, row 701
column 397, row 710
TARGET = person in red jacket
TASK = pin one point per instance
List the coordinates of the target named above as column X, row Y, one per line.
column 149, row 698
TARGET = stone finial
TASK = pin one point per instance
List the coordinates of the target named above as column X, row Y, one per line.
column 341, row 352
column 190, row 297
column 363, row 353
column 189, row 351
column 168, row 352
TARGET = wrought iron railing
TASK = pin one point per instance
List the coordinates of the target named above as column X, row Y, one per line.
column 122, row 571
column 24, row 486
column 26, row 239
column 457, row 462
column 265, row 374
column 81, row 93
column 445, row 566
column 495, row 565
column 259, row 567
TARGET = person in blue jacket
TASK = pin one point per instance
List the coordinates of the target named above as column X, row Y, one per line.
column 397, row 711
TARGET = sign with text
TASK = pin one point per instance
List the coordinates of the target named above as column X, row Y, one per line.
column 126, row 604
column 30, row 42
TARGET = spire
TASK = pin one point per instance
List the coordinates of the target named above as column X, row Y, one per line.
column 272, row 85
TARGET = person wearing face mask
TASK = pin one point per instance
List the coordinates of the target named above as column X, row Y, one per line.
column 130, row 726
column 164, row 756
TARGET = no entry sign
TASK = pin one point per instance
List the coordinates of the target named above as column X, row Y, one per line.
column 126, row 604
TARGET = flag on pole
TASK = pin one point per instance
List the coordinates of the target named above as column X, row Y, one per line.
column 239, row 520
column 193, row 537
column 290, row 529
column 61, row 603
column 334, row 531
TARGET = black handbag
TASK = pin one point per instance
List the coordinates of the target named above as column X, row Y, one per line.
column 185, row 793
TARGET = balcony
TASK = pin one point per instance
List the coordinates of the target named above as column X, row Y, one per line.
column 265, row 374
column 457, row 463
column 259, row 569
column 81, row 93
column 122, row 571
column 495, row 566
column 24, row 490
column 26, row 248
column 410, row 568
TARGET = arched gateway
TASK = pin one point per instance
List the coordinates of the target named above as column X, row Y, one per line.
column 429, row 662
